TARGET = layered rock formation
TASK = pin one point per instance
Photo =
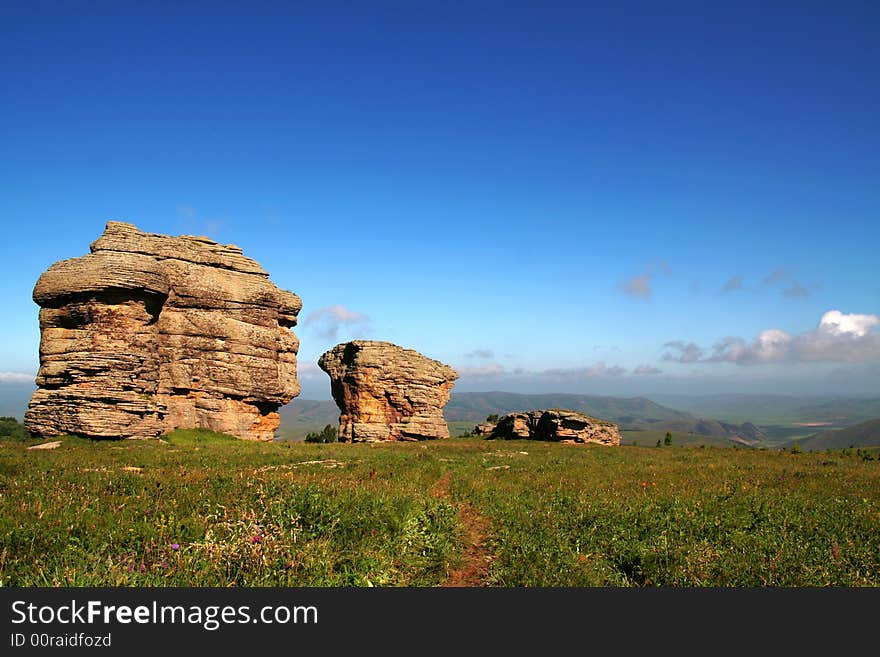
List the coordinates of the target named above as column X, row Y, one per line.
column 150, row 333
column 556, row 425
column 386, row 392
column 484, row 429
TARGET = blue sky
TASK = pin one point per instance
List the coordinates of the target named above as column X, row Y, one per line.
column 571, row 197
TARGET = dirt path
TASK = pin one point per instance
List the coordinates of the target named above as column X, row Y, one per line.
column 475, row 528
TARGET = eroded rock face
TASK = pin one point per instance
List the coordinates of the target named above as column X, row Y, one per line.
column 386, row 392
column 484, row 429
column 149, row 333
column 556, row 425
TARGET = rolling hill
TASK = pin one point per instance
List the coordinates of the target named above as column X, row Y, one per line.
column 637, row 414
column 777, row 409
column 476, row 406
column 864, row 434
column 301, row 416
column 631, row 414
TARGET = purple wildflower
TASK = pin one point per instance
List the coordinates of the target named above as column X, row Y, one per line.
column 175, row 546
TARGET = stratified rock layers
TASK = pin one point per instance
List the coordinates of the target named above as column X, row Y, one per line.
column 386, row 392
column 150, row 333
column 556, row 425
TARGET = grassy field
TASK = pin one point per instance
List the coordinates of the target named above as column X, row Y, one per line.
column 649, row 438
column 200, row 509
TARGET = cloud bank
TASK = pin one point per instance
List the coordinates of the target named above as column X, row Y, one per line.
column 838, row 337
column 16, row 377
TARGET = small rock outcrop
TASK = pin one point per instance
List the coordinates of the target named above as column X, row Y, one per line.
column 386, row 392
column 150, row 333
column 484, row 429
column 557, row 425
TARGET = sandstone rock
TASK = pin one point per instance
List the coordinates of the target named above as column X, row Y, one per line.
column 556, row 425
column 484, row 429
column 55, row 444
column 149, row 333
column 386, row 392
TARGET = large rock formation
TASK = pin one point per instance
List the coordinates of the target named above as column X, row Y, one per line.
column 150, row 333
column 557, row 425
column 386, row 392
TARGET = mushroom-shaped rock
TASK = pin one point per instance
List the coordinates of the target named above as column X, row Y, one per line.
column 386, row 392
column 150, row 333
column 556, row 425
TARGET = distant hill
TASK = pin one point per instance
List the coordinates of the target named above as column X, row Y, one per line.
column 632, row 414
column 777, row 409
column 301, row 416
column 745, row 434
column 14, row 398
column 636, row 414
column 864, row 434
column 476, row 406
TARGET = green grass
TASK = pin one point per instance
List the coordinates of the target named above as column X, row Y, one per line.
column 649, row 438
column 296, row 514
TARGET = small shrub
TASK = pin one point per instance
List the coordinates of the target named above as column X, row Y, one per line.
column 11, row 429
column 326, row 435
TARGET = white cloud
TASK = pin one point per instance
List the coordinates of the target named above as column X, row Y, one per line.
column 646, row 370
column 839, row 337
column 488, row 370
column 330, row 319
column 16, row 377
column 481, row 353
column 835, row 322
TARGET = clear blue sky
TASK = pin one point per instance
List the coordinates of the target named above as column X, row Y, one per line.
column 544, row 195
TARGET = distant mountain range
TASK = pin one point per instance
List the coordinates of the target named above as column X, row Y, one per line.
column 765, row 410
column 476, row 406
column 742, row 419
column 304, row 415
column 14, row 398
column 864, row 434
column 632, row 414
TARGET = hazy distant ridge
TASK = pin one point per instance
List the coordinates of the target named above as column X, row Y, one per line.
column 864, row 434
column 475, row 406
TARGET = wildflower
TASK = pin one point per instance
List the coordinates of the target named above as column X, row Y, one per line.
column 143, row 568
column 257, row 539
column 175, row 546
column 164, row 564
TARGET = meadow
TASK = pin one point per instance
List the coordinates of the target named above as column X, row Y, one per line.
column 201, row 509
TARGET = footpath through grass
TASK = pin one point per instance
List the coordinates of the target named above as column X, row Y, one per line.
column 205, row 510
